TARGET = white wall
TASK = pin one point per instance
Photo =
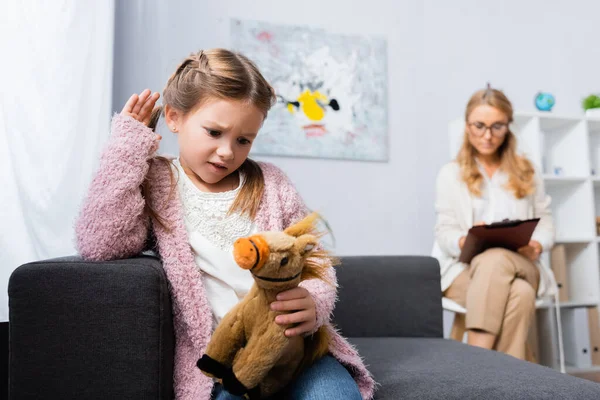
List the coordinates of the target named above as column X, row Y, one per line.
column 439, row 52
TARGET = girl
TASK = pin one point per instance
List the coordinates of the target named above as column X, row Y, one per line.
column 191, row 210
column 489, row 182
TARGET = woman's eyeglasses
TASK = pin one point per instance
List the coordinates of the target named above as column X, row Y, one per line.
column 479, row 129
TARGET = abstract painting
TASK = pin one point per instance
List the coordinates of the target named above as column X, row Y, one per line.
column 331, row 91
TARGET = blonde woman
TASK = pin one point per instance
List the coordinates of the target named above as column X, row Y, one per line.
column 489, row 182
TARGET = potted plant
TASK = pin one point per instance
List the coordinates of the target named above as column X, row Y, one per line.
column 591, row 105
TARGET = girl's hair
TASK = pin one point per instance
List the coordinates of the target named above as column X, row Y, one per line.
column 221, row 74
column 519, row 169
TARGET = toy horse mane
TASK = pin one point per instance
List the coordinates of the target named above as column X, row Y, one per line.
column 319, row 259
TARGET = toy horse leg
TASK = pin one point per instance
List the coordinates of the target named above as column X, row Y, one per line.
column 225, row 342
column 253, row 363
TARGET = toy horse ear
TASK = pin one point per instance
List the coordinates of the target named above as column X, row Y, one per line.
column 304, row 226
column 305, row 244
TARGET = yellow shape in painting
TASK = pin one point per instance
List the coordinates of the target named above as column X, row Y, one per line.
column 309, row 105
column 290, row 108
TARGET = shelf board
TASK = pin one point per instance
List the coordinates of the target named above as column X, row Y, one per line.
column 565, row 178
column 569, row 304
column 580, row 370
column 550, row 122
column 549, row 115
column 568, row 240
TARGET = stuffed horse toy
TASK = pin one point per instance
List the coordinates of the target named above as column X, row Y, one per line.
column 248, row 352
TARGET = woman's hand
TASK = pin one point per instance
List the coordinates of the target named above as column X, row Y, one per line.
column 461, row 241
column 140, row 107
column 532, row 251
column 304, row 313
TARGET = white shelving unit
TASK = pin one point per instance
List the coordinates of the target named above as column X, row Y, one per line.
column 566, row 150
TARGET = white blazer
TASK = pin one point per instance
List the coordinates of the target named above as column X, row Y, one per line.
column 454, row 209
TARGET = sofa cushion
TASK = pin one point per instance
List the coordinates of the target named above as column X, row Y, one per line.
column 413, row 368
column 90, row 330
column 389, row 296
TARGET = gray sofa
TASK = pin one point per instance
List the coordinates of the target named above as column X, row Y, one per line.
column 83, row 330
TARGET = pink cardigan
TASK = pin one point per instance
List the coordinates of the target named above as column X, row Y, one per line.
column 112, row 225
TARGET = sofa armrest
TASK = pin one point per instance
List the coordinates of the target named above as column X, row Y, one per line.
column 389, row 296
column 90, row 330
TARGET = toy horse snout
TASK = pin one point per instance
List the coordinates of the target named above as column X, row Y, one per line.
column 251, row 252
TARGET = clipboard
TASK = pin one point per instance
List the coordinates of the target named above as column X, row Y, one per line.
column 507, row 234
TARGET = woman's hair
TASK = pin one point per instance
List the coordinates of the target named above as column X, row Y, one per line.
column 519, row 169
column 221, row 74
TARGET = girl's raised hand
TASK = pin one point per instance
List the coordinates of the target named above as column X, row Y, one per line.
column 140, row 106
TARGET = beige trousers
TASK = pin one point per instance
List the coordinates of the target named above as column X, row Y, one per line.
column 498, row 289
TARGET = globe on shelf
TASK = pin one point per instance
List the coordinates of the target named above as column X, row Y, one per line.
column 544, row 101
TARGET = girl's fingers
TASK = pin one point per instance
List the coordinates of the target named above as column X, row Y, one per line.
column 293, row 318
column 128, row 107
column 147, row 108
column 299, row 330
column 291, row 305
column 142, row 99
column 141, row 106
column 291, row 294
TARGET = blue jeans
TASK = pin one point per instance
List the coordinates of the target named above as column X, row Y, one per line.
column 326, row 379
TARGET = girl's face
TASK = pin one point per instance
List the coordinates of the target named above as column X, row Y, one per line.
column 215, row 139
column 487, row 127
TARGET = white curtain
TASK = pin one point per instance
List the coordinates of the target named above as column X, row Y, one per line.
column 55, row 105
